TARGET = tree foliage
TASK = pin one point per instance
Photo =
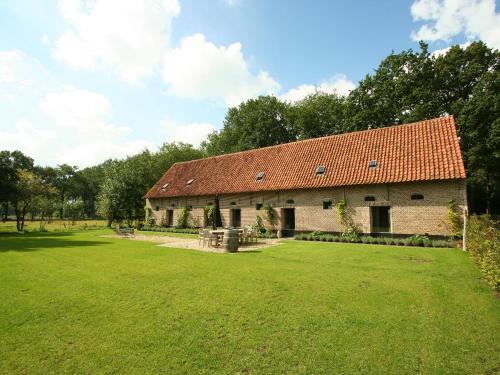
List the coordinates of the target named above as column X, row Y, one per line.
column 406, row 87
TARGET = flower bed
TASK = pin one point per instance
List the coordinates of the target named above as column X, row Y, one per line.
column 170, row 230
column 416, row 240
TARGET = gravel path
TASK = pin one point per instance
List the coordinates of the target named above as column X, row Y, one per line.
column 193, row 244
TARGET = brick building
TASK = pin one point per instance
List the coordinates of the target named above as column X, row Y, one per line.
column 395, row 180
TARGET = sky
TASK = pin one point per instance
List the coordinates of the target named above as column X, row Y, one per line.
column 85, row 81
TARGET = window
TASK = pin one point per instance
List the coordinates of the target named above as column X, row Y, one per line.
column 235, row 217
column 233, row 203
column 260, row 176
column 320, row 170
column 173, row 204
column 327, row 205
column 381, row 219
column 369, row 198
column 190, row 208
column 416, row 197
column 165, row 186
column 373, row 164
column 157, row 208
column 258, row 206
column 189, row 182
column 290, row 201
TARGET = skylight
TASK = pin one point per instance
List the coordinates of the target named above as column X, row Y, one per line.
column 320, row 170
column 189, row 182
column 373, row 164
column 260, row 176
column 165, row 186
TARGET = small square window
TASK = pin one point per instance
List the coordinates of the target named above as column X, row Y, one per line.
column 369, row 198
column 416, row 197
column 327, row 205
column 290, row 201
column 258, row 206
column 373, row 164
column 157, row 208
column 190, row 208
column 259, row 176
column 320, row 170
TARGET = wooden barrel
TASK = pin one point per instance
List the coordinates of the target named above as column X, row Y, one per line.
column 231, row 240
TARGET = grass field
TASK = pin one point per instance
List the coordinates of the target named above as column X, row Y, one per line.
column 74, row 302
column 54, row 225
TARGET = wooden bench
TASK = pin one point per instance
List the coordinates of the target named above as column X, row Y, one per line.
column 124, row 232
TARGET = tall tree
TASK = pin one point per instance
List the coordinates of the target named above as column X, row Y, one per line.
column 255, row 123
column 480, row 139
column 28, row 187
column 320, row 114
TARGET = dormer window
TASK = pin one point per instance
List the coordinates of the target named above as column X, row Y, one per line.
column 164, row 187
column 189, row 183
column 372, row 164
column 320, row 170
column 259, row 176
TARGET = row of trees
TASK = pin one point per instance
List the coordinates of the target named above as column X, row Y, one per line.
column 406, row 87
column 113, row 190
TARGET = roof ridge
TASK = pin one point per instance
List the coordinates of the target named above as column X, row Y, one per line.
column 386, row 127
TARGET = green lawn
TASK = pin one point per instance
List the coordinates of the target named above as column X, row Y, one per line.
column 73, row 302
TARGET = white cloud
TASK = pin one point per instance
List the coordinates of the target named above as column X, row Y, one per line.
column 193, row 133
column 200, row 69
column 85, row 135
column 128, row 36
column 27, row 138
column 444, row 51
column 338, row 84
column 449, row 18
column 15, row 70
column 75, row 130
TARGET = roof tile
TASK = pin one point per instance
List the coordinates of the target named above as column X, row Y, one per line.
column 425, row 150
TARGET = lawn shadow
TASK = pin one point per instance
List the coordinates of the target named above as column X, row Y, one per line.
column 25, row 242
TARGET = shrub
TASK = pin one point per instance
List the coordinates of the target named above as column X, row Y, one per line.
column 440, row 243
column 351, row 235
column 259, row 225
column 454, row 220
column 389, row 241
column 419, row 240
column 407, row 241
column 484, row 245
column 183, row 218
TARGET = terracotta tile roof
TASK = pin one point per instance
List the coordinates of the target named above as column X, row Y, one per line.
column 426, row 150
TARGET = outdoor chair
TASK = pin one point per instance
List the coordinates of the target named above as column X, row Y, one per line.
column 213, row 239
column 202, row 238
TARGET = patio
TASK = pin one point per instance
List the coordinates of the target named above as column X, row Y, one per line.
column 195, row 244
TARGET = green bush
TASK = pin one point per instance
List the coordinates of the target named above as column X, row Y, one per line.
column 440, row 243
column 419, row 240
column 148, row 228
column 183, row 218
column 484, row 245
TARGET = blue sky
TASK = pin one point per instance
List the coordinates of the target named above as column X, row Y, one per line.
column 83, row 81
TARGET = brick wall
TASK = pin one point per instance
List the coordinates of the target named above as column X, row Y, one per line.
column 407, row 216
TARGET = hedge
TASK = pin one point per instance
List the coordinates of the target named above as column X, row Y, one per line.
column 483, row 243
column 169, row 230
column 417, row 240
